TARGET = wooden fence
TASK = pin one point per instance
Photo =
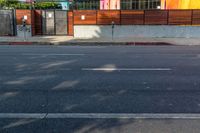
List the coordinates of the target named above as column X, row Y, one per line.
column 119, row 17
column 137, row 17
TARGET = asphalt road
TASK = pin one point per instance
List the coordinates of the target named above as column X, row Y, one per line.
column 67, row 89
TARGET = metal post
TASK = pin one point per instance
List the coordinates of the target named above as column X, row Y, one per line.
column 24, row 27
column 24, row 34
column 113, row 26
column 14, row 22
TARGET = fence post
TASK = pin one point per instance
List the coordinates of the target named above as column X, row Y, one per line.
column 14, row 24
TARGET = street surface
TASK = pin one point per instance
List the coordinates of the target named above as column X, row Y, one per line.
column 111, row 89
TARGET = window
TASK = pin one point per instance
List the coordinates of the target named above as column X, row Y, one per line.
column 139, row 4
column 86, row 5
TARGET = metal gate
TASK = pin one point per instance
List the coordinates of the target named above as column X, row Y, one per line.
column 7, row 23
column 61, row 22
column 54, row 22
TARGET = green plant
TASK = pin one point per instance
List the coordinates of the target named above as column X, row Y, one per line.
column 46, row 5
column 2, row 3
column 14, row 4
column 21, row 6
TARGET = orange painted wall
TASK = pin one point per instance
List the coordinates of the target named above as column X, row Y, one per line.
column 180, row 4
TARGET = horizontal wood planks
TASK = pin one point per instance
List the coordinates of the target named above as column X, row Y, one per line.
column 137, row 17
column 85, row 17
column 107, row 17
column 156, row 17
column 130, row 17
column 119, row 17
column 21, row 13
column 180, row 17
column 196, row 17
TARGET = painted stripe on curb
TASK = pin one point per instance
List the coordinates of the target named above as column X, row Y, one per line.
column 96, row 116
column 55, row 54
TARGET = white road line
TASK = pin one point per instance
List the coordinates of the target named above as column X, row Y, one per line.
column 54, row 54
column 126, row 69
column 97, row 116
column 122, row 116
column 22, row 115
column 54, row 69
column 64, row 69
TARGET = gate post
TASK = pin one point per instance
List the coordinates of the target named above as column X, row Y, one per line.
column 14, row 22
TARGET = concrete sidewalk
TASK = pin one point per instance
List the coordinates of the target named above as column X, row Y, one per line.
column 69, row 40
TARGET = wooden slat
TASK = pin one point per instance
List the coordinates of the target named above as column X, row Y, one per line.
column 32, row 23
column 70, row 23
column 180, row 17
column 38, row 22
column 196, row 17
column 156, row 17
column 107, row 14
column 131, row 17
column 90, row 17
column 107, row 17
column 108, row 21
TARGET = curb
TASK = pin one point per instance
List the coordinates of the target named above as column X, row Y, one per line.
column 26, row 43
column 90, row 43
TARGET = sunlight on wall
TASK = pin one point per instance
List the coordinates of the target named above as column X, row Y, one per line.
column 180, row 4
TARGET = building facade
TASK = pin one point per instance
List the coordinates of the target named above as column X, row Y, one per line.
column 135, row 4
column 180, row 4
column 117, row 4
column 125, row 4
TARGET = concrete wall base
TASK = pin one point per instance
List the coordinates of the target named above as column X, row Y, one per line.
column 125, row 31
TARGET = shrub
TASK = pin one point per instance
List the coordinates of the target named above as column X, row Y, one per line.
column 14, row 4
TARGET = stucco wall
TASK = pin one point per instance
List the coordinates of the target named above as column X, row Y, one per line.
column 95, row 31
column 22, row 30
